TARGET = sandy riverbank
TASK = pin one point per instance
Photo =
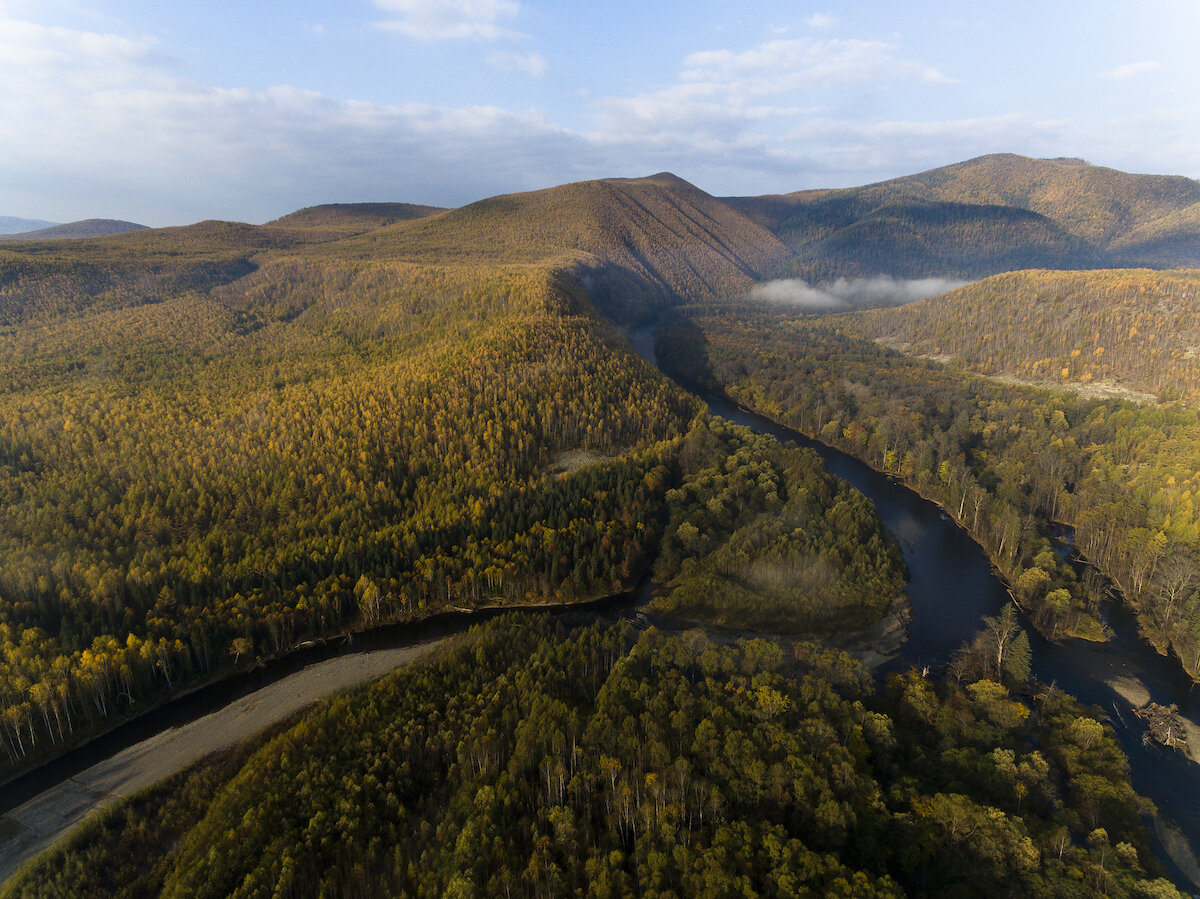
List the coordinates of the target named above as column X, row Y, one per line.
column 1135, row 693
column 37, row 824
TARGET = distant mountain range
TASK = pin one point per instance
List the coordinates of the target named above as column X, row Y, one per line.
column 987, row 215
column 976, row 218
column 12, row 225
column 84, row 228
column 660, row 239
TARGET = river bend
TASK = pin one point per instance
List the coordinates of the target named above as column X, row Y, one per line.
column 952, row 585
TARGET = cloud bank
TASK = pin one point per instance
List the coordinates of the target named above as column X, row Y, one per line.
column 100, row 124
column 850, row 293
column 441, row 20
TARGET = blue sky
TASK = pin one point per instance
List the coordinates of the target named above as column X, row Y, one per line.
column 167, row 113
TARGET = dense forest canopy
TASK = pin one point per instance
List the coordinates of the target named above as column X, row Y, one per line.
column 1135, row 332
column 1007, row 461
column 532, row 761
column 223, row 440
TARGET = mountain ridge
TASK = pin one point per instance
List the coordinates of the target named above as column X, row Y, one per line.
column 82, row 228
column 10, row 224
column 986, row 215
column 633, row 242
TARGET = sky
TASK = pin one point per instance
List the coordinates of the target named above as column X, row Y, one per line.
column 166, row 113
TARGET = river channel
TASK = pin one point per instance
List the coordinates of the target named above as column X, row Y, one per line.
column 952, row 586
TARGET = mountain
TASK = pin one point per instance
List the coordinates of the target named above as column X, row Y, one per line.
column 344, row 219
column 84, row 228
column 991, row 214
column 1173, row 239
column 633, row 242
column 12, row 225
column 224, row 441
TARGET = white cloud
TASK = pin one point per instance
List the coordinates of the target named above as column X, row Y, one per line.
column 849, row 293
column 1131, row 70
column 733, row 105
column 97, row 125
column 436, row 20
column 532, row 64
column 784, row 65
column 104, row 125
column 34, row 54
column 821, row 20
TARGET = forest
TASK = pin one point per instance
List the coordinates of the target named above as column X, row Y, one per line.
column 195, row 479
column 1133, row 333
column 223, row 441
column 1009, row 462
column 531, row 759
column 761, row 537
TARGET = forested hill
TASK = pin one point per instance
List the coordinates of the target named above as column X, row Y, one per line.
column 532, row 761
column 221, row 440
column 634, row 242
column 991, row 214
column 1118, row 332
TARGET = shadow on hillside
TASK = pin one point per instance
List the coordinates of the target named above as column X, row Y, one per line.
column 683, row 352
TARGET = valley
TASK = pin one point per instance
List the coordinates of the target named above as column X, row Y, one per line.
column 222, row 441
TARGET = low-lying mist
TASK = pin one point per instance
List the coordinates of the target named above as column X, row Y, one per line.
column 850, row 293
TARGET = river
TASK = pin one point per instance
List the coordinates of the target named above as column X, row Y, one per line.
column 952, row 585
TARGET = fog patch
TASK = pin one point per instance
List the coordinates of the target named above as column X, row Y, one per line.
column 850, row 293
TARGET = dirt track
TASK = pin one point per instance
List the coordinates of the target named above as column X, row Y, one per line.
column 37, row 824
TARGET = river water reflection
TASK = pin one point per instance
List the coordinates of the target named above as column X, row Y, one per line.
column 953, row 585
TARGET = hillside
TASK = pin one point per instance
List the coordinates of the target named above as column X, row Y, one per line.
column 42, row 279
column 1173, row 239
column 635, row 243
column 224, row 439
column 347, row 219
column 75, row 230
column 1095, row 203
column 987, row 215
column 1133, row 332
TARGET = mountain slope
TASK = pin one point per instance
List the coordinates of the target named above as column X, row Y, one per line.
column 1173, row 239
column 1095, row 203
column 1125, row 330
column 633, row 241
column 990, row 214
column 346, row 219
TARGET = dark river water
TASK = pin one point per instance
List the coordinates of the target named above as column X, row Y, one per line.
column 952, row 586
